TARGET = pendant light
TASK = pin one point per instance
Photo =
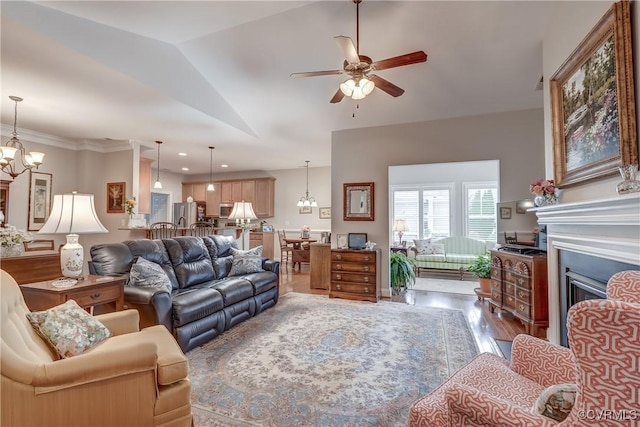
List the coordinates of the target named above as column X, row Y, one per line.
column 13, row 158
column 306, row 200
column 158, row 184
column 210, row 187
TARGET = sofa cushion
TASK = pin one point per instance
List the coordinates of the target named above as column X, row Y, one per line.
column 154, row 251
column 148, row 274
column 111, row 259
column 262, row 281
column 195, row 303
column 461, row 258
column 234, row 289
column 433, row 258
column 222, row 266
column 68, row 328
column 224, row 244
column 190, row 259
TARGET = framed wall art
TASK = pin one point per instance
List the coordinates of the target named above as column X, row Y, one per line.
column 39, row 199
column 505, row 213
column 324, row 213
column 359, row 201
column 592, row 103
column 342, row 241
column 305, row 210
column 115, row 196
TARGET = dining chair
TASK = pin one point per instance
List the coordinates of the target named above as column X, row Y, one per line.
column 286, row 250
column 510, row 239
column 201, row 229
column 163, row 230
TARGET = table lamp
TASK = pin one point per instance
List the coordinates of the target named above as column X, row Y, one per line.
column 243, row 213
column 72, row 214
column 400, row 225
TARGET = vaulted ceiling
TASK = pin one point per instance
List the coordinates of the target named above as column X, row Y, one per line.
column 201, row 73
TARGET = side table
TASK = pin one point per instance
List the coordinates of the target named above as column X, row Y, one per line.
column 400, row 249
column 90, row 292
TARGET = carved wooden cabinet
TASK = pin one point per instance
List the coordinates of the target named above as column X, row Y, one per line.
column 519, row 286
column 355, row 274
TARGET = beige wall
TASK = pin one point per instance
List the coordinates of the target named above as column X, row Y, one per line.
column 569, row 23
column 364, row 155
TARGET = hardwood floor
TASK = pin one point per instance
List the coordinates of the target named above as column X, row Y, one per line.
column 485, row 325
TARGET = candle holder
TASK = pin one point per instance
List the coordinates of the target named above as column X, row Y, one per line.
column 629, row 183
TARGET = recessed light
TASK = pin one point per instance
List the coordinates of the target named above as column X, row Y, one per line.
column 182, row 154
column 224, row 166
column 185, row 169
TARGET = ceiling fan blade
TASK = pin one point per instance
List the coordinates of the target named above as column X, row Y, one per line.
column 348, row 49
column 317, row 73
column 399, row 61
column 337, row 97
column 386, row 86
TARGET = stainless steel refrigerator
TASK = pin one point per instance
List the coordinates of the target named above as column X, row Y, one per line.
column 185, row 213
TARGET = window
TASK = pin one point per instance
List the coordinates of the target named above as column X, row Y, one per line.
column 431, row 218
column 481, row 211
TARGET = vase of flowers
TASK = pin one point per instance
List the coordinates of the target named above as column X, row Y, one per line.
column 129, row 206
column 11, row 241
column 305, row 232
column 545, row 192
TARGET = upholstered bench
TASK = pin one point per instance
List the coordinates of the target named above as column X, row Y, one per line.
column 446, row 254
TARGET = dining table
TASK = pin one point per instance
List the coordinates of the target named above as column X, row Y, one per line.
column 300, row 252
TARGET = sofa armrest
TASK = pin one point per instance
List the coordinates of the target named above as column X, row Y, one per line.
column 120, row 322
column 466, row 403
column 553, row 364
column 271, row 265
column 155, row 305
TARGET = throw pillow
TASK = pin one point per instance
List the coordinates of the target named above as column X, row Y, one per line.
column 149, row 275
column 556, row 401
column 438, row 248
column 253, row 251
column 245, row 264
column 69, row 329
column 425, row 247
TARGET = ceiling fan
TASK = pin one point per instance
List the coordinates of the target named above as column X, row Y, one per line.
column 359, row 67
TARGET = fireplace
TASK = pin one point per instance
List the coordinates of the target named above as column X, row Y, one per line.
column 590, row 240
column 583, row 277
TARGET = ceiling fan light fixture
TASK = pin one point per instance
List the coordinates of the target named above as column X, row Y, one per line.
column 347, row 87
column 358, row 93
column 366, row 85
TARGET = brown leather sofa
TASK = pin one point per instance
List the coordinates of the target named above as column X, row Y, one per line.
column 204, row 301
column 134, row 378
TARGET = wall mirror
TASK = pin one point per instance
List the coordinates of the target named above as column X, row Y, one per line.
column 358, row 201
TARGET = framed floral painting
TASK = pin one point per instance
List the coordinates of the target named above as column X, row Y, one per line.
column 592, row 103
column 39, row 199
column 115, row 197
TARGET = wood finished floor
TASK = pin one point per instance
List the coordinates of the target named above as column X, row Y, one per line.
column 486, row 326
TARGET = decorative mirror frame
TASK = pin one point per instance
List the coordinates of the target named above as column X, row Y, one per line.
column 364, row 191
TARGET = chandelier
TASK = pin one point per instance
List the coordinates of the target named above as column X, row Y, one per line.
column 306, row 200
column 13, row 158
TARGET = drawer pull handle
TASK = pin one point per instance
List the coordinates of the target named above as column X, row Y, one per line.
column 95, row 296
column 521, row 294
column 366, row 290
column 365, row 268
column 338, row 256
column 338, row 287
column 366, row 279
column 338, row 276
column 338, row 266
column 366, row 258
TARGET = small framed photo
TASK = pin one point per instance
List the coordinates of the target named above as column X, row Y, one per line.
column 267, row 228
column 304, row 210
column 324, row 213
column 115, row 196
column 342, row 241
column 505, row 213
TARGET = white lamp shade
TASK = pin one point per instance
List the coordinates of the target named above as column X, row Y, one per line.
column 157, row 185
column 210, row 187
column 367, row 85
column 400, row 225
column 73, row 214
column 242, row 210
column 347, row 87
column 9, row 153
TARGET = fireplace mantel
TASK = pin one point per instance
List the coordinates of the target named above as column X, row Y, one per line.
column 606, row 228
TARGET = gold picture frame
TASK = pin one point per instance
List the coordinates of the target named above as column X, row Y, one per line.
column 116, row 192
column 593, row 105
column 359, row 201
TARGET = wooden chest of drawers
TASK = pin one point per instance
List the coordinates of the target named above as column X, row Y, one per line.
column 355, row 274
column 519, row 286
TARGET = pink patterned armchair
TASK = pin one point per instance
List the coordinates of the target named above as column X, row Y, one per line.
column 603, row 361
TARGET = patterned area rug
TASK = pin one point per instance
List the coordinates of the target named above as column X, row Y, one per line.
column 312, row 360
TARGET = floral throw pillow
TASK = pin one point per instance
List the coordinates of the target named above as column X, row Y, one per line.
column 556, row 401
column 148, row 274
column 68, row 328
column 253, row 251
column 425, row 247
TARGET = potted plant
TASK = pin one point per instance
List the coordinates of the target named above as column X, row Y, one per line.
column 402, row 275
column 481, row 267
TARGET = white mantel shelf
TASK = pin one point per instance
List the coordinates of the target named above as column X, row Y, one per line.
column 606, row 228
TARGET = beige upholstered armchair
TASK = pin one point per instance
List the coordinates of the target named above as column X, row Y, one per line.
column 134, row 378
column 602, row 362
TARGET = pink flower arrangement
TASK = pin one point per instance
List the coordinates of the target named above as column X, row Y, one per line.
column 543, row 187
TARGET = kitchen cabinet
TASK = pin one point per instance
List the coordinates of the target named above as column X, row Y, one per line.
column 197, row 190
column 263, row 205
column 144, row 186
column 260, row 192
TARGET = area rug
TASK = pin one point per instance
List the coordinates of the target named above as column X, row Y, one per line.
column 311, row 360
column 461, row 287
